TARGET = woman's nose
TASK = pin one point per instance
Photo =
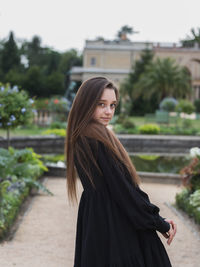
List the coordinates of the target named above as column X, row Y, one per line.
column 108, row 110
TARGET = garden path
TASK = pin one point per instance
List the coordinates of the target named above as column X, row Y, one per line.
column 46, row 234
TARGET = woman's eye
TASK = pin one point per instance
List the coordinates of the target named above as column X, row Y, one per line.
column 113, row 105
column 101, row 105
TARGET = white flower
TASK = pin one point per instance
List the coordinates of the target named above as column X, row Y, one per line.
column 2, row 88
column 12, row 118
column 194, row 152
column 31, row 101
column 15, row 89
column 23, row 110
column 60, row 164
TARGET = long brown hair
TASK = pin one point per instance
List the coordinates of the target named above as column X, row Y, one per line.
column 82, row 125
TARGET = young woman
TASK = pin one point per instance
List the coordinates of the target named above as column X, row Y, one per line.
column 117, row 223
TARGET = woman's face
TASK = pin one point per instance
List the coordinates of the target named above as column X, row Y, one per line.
column 106, row 107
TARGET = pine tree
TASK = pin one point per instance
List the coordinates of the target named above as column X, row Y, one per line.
column 10, row 55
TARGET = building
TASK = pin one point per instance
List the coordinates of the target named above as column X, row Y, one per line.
column 114, row 59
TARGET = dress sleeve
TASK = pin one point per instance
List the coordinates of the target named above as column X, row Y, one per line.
column 130, row 199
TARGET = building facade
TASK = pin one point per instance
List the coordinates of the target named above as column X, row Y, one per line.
column 114, row 59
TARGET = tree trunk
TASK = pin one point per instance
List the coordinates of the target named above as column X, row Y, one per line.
column 8, row 137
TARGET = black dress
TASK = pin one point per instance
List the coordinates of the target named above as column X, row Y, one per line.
column 116, row 224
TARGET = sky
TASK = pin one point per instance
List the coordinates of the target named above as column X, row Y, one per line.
column 66, row 24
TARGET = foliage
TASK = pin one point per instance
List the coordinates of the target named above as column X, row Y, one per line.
column 190, row 203
column 190, row 41
column 59, row 132
column 163, row 78
column 168, row 104
column 40, row 70
column 190, row 174
column 128, row 123
column 185, row 106
column 187, row 123
column 58, row 104
column 15, row 108
column 10, row 58
column 19, row 170
column 41, row 103
column 197, row 105
column 53, row 158
column 149, row 129
column 139, row 105
column 58, row 125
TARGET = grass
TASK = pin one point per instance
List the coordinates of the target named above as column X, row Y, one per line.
column 24, row 131
column 138, row 120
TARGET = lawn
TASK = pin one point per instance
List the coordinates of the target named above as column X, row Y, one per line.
column 138, row 120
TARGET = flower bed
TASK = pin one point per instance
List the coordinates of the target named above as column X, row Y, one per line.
column 19, row 172
column 189, row 198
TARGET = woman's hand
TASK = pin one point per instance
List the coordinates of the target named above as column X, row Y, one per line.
column 172, row 231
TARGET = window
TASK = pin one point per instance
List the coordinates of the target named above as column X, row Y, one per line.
column 93, row 61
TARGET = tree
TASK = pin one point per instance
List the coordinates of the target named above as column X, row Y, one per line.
column 138, row 106
column 163, row 78
column 55, row 84
column 15, row 108
column 34, row 82
column 10, row 58
column 190, row 41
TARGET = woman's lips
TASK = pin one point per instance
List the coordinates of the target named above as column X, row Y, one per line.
column 106, row 119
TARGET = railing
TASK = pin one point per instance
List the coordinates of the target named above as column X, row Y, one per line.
column 42, row 117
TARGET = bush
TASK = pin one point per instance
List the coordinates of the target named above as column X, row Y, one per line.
column 190, row 203
column 15, row 108
column 168, row 104
column 58, row 104
column 19, row 171
column 128, row 123
column 58, row 125
column 121, row 118
column 187, row 123
column 197, row 105
column 149, row 129
column 59, row 132
column 41, row 103
column 185, row 106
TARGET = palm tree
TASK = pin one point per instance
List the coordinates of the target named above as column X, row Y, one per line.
column 163, row 78
column 190, row 41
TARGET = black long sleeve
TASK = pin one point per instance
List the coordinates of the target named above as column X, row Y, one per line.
column 131, row 199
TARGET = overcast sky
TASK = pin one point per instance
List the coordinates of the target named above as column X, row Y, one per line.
column 65, row 24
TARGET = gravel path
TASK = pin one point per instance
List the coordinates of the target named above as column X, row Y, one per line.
column 46, row 234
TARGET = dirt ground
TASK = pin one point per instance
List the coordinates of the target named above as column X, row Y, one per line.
column 45, row 236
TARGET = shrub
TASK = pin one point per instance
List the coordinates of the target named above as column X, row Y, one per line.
column 187, row 123
column 15, row 108
column 185, row 106
column 19, row 170
column 59, row 132
column 121, row 118
column 128, row 123
column 149, row 129
column 58, row 104
column 58, row 125
column 197, row 105
column 168, row 104
column 41, row 103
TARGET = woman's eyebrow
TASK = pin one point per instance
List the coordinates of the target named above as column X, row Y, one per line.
column 103, row 100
